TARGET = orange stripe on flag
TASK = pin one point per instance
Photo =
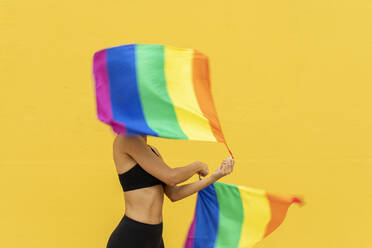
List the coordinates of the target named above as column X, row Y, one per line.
column 202, row 88
column 279, row 206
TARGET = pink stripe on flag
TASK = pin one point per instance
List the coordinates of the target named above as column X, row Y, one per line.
column 103, row 98
column 191, row 234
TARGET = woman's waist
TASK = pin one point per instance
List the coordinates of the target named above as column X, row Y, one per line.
column 144, row 210
column 145, row 197
column 144, row 216
column 142, row 222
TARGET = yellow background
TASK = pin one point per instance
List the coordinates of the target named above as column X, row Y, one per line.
column 291, row 82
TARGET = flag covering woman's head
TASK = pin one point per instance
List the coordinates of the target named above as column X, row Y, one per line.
column 157, row 90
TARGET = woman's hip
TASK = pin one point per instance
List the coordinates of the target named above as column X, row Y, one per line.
column 131, row 233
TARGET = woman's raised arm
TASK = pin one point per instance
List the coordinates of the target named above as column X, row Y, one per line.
column 137, row 148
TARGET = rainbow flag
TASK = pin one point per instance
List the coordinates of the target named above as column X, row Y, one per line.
column 231, row 216
column 157, row 90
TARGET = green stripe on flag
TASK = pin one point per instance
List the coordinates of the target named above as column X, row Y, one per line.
column 157, row 106
column 230, row 215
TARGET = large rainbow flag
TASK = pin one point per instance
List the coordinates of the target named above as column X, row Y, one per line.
column 157, row 90
column 231, row 216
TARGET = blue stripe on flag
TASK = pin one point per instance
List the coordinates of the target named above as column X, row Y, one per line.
column 125, row 99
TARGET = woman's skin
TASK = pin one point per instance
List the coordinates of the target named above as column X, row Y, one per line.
column 146, row 204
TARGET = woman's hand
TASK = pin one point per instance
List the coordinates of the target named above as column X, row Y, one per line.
column 226, row 168
column 203, row 171
column 177, row 193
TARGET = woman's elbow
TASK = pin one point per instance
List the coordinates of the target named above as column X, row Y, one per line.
column 172, row 193
column 175, row 197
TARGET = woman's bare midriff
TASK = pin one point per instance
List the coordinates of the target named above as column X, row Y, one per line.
column 145, row 204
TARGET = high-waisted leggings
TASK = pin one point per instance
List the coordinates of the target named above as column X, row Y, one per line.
column 130, row 233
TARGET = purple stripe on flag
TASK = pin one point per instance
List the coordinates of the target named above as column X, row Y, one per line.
column 103, row 98
column 191, row 234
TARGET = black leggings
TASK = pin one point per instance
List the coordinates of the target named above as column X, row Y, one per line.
column 134, row 234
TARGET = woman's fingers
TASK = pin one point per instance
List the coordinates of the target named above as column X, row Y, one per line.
column 226, row 167
column 228, row 161
column 229, row 168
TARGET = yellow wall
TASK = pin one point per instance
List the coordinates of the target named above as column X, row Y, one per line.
column 291, row 82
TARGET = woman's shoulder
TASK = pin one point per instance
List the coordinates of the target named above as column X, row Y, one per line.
column 122, row 141
column 127, row 138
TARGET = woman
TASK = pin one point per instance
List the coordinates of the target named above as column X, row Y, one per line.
column 145, row 177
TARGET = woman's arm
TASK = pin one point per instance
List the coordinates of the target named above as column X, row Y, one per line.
column 141, row 153
column 202, row 172
column 175, row 193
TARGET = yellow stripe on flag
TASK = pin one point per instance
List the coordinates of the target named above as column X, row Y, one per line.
column 178, row 74
column 257, row 215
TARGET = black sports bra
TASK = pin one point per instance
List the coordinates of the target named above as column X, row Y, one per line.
column 137, row 178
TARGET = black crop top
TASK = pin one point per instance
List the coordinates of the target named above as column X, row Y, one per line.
column 137, row 178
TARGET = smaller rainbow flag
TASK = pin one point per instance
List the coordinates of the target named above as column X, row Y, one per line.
column 231, row 216
column 157, row 90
